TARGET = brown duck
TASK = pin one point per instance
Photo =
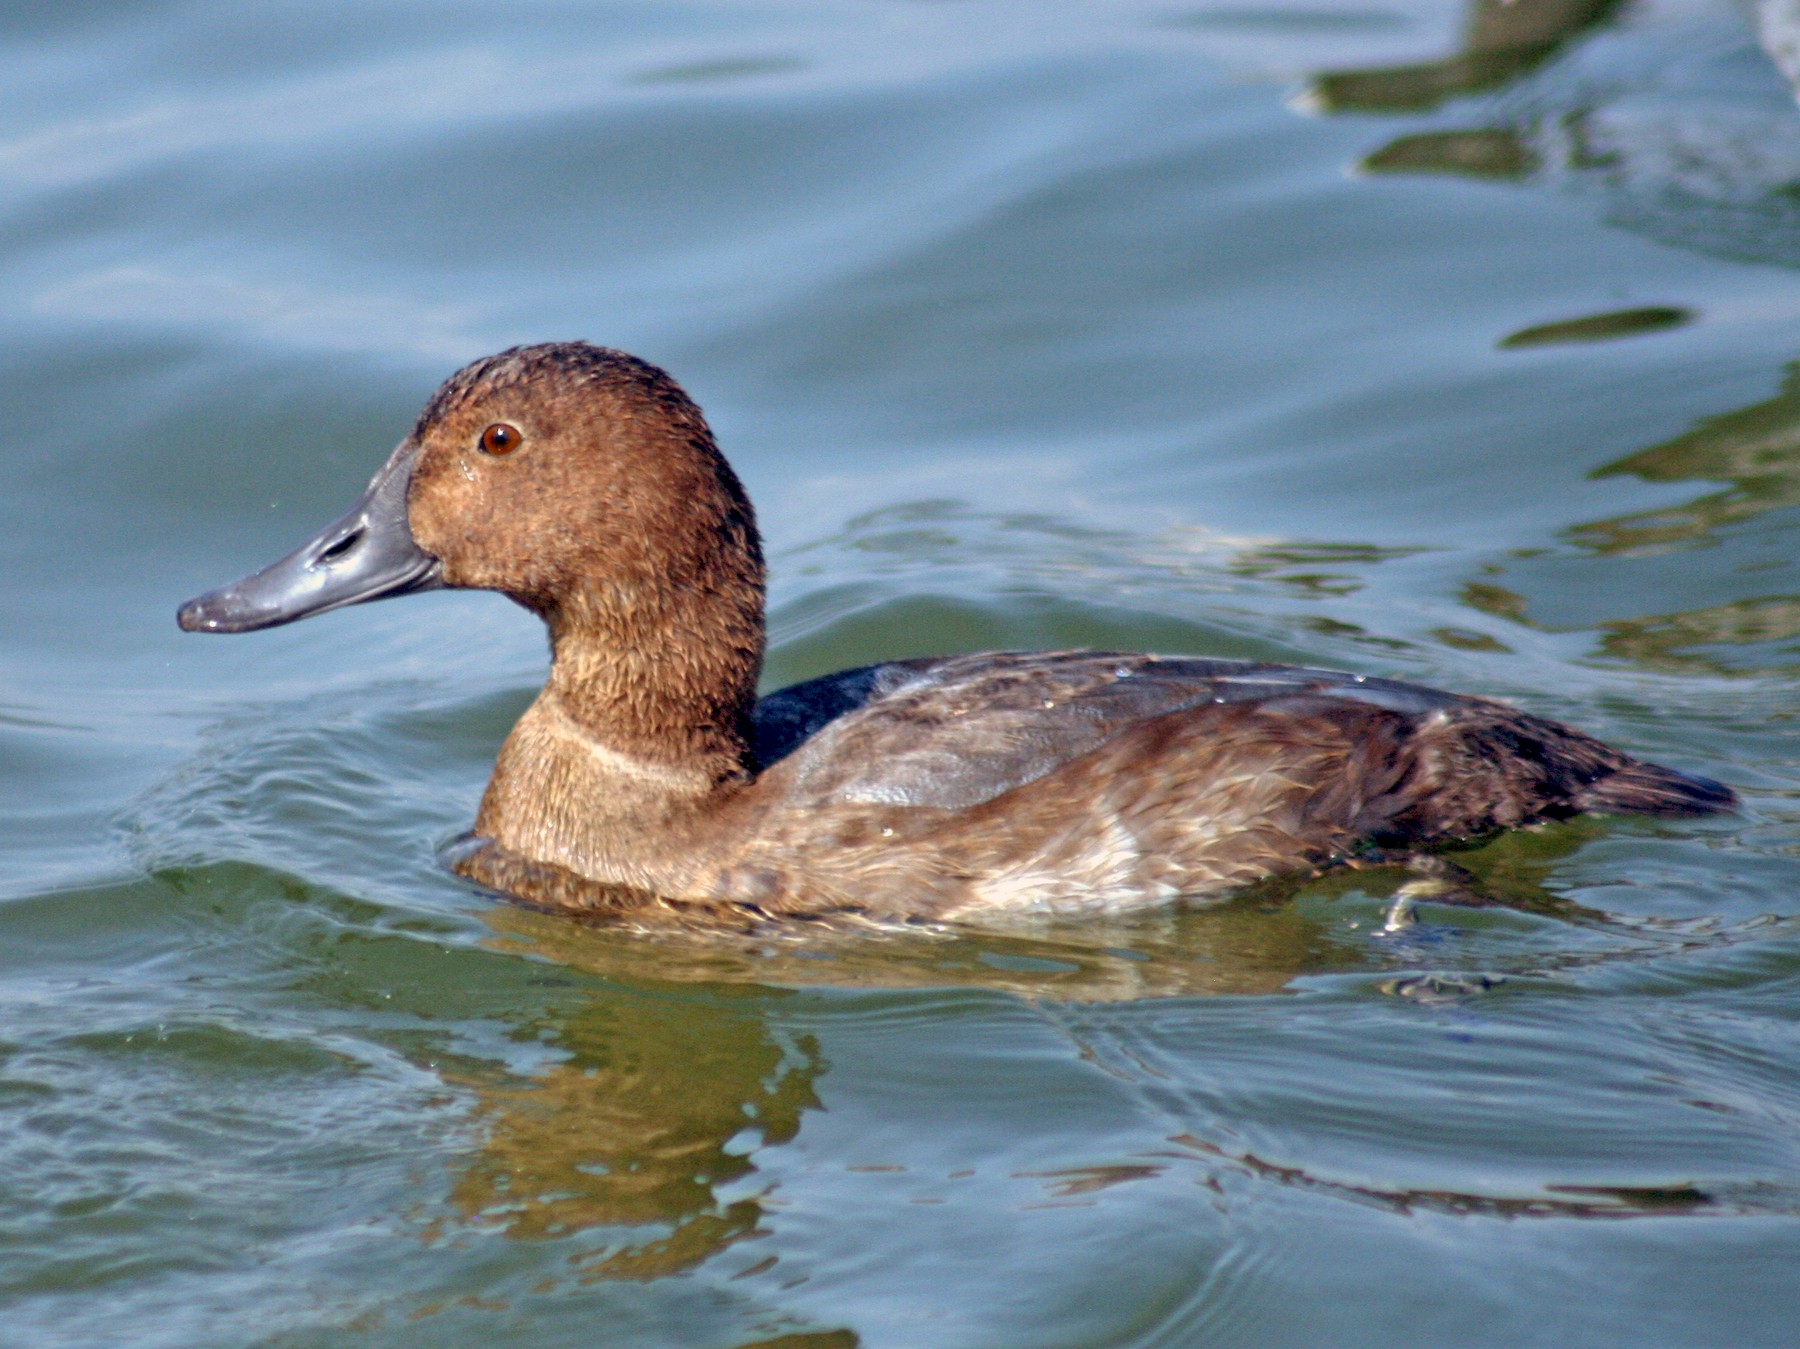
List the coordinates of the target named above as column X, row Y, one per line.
column 647, row 776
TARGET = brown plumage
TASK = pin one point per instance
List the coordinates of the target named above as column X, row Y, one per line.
column 646, row 778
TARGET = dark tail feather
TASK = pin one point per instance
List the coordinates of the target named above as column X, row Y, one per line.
column 1651, row 789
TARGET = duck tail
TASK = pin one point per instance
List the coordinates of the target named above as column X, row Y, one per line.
column 1651, row 789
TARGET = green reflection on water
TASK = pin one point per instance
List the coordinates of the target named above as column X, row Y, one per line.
column 1755, row 449
column 1494, row 152
column 1755, row 452
column 1502, row 40
column 715, row 72
column 1600, row 327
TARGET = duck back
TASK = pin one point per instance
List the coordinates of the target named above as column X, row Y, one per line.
column 1081, row 779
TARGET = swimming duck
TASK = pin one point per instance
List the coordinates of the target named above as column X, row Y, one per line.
column 584, row 483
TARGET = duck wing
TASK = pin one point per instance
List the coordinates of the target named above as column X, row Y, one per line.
column 953, row 732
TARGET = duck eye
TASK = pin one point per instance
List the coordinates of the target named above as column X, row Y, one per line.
column 501, row 438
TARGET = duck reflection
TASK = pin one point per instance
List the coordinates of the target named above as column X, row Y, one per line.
column 1502, row 39
column 655, row 1107
column 1254, row 944
column 641, row 1138
column 639, row 1141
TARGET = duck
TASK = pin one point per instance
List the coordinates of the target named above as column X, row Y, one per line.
column 647, row 777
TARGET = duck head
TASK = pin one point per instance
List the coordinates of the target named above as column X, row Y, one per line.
column 581, row 482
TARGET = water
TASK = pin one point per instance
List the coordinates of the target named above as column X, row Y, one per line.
column 1457, row 346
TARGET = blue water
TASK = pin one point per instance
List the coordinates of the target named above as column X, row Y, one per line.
column 1454, row 345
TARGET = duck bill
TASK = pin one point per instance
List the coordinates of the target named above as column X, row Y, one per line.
column 369, row 554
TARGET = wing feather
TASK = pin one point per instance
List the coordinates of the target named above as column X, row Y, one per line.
column 957, row 731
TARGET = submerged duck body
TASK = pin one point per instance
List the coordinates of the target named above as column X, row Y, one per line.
column 647, row 777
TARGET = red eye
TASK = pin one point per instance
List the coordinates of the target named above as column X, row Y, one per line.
column 501, row 438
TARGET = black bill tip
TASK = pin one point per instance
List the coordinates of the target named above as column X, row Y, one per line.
column 206, row 614
column 369, row 554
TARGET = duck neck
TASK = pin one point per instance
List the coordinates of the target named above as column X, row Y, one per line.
column 678, row 693
column 641, row 727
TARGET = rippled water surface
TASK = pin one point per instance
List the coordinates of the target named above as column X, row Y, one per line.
column 1459, row 345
